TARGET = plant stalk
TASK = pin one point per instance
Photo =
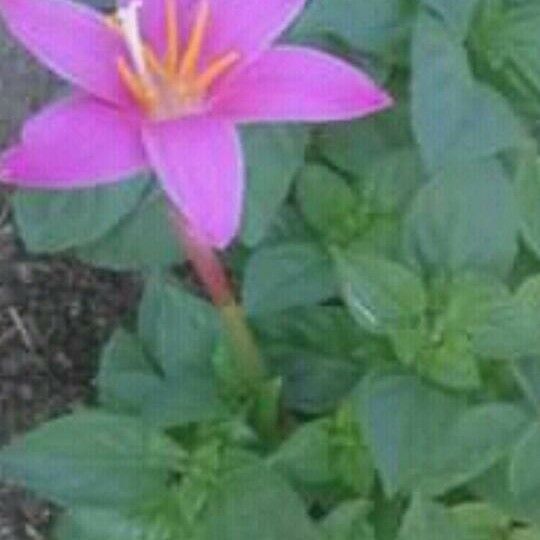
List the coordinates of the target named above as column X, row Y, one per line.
column 213, row 276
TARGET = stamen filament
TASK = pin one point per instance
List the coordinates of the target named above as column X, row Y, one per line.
column 193, row 51
column 155, row 65
column 216, row 69
column 142, row 94
column 173, row 36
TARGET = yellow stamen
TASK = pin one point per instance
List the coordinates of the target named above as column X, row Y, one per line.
column 173, row 36
column 216, row 69
column 141, row 93
column 193, row 51
column 155, row 64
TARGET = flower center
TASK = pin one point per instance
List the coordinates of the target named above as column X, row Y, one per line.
column 172, row 85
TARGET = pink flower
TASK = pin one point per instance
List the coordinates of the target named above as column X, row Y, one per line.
column 162, row 85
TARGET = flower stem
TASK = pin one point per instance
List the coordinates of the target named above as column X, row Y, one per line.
column 213, row 277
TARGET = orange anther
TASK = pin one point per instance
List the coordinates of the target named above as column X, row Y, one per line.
column 216, row 69
column 140, row 92
column 193, row 51
column 173, row 36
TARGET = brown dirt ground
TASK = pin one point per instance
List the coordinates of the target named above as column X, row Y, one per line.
column 54, row 312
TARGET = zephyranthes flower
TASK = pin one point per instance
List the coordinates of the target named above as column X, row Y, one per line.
column 162, row 85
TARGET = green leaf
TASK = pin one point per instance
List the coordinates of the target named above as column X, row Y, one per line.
column 180, row 330
column 457, row 14
column 464, row 219
column 126, row 379
column 381, row 295
column 53, row 221
column 320, row 353
column 349, row 521
column 510, row 332
column 528, row 197
column 503, row 42
column 143, row 239
column 97, row 524
column 365, row 25
column 253, row 502
column 455, row 118
column 443, row 348
column 329, row 205
column 92, row 459
column 482, row 521
column 391, row 181
column 525, row 468
column 273, row 155
column 426, row 520
column 424, row 439
column 287, row 275
column 327, row 459
column 355, row 146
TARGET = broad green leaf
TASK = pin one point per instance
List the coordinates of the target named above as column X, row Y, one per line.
column 305, row 458
column 327, row 458
column 391, row 181
column 126, row 379
column 180, row 330
column 381, row 295
column 53, row 221
column 287, row 275
column 424, row 439
column 97, row 524
column 142, row 240
column 528, row 197
column 366, row 25
column 527, row 372
column 482, row 521
column 427, row 520
column 321, row 354
column 465, row 219
column 329, row 205
column 504, row 42
column 455, row 118
column 349, row 521
column 92, row 459
column 253, row 502
column 443, row 348
column 510, row 332
column 273, row 155
column 525, row 467
column 494, row 487
column 457, row 14
column 355, row 146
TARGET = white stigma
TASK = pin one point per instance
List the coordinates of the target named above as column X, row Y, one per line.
column 128, row 18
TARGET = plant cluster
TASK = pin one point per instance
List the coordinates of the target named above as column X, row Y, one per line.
column 390, row 270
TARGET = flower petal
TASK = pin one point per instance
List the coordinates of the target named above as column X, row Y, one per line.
column 200, row 165
column 77, row 142
column 70, row 39
column 299, row 84
column 248, row 26
column 245, row 26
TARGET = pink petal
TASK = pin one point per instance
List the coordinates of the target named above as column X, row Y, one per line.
column 200, row 165
column 77, row 142
column 245, row 26
column 70, row 39
column 248, row 26
column 299, row 84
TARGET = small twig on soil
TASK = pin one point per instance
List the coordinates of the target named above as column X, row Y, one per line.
column 21, row 328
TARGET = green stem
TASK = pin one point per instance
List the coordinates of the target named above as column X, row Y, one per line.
column 213, row 277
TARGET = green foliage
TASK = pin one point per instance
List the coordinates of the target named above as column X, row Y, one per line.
column 390, row 269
